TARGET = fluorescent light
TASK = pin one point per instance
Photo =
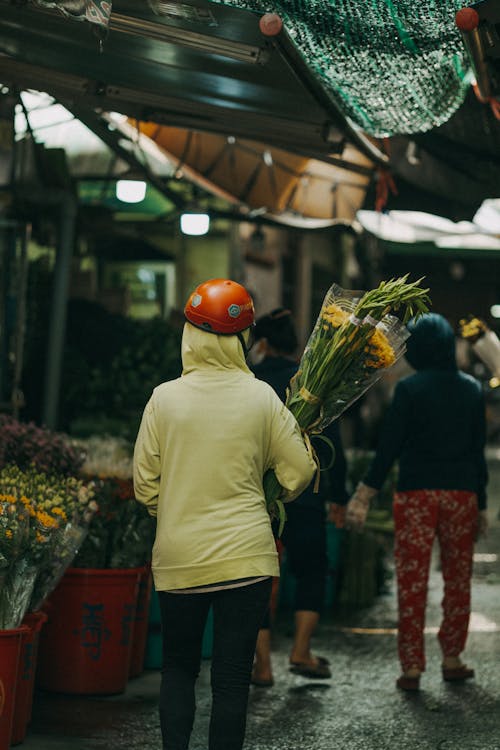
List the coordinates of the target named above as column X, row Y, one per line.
column 131, row 191
column 495, row 311
column 195, row 224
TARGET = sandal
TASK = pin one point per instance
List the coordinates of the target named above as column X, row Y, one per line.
column 322, row 659
column 319, row 671
column 410, row 684
column 457, row 674
column 261, row 683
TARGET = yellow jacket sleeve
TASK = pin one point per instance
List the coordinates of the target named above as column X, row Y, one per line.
column 147, row 462
column 291, row 460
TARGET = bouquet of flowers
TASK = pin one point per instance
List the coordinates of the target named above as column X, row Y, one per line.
column 356, row 337
column 485, row 343
column 121, row 533
column 26, row 445
column 43, row 520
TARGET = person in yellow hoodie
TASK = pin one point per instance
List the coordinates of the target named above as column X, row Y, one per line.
column 205, row 442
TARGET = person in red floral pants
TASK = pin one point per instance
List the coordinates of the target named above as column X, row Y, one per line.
column 435, row 428
column 419, row 516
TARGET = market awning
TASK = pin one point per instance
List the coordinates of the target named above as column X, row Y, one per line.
column 412, row 228
column 324, row 88
column 266, row 181
column 197, row 65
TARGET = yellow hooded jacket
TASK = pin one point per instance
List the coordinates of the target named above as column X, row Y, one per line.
column 204, row 444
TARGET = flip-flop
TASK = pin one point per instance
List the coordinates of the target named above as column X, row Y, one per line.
column 322, row 659
column 320, row 671
column 411, row 684
column 261, row 683
column 457, row 674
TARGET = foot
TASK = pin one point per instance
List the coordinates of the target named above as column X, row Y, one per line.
column 261, row 678
column 409, row 680
column 315, row 667
column 454, row 670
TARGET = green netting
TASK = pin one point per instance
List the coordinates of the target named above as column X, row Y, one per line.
column 392, row 66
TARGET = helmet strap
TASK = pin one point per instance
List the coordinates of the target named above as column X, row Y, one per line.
column 246, row 346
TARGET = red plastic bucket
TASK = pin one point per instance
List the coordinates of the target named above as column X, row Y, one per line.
column 141, row 622
column 86, row 643
column 10, row 649
column 26, row 675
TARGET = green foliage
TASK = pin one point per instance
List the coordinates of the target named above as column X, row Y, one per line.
column 110, row 394
column 111, row 363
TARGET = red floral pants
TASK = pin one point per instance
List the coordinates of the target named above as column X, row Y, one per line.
column 420, row 516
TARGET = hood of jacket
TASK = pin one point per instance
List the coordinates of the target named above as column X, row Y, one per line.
column 209, row 351
column 431, row 344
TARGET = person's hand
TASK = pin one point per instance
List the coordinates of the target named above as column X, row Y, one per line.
column 482, row 524
column 336, row 515
column 358, row 506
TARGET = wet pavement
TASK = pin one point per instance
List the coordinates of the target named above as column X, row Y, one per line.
column 358, row 709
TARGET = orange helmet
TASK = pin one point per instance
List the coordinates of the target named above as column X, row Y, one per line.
column 220, row 306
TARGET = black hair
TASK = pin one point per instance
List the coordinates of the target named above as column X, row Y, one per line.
column 279, row 330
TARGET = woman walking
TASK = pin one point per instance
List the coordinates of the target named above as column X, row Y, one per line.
column 305, row 534
column 436, row 428
column 205, row 441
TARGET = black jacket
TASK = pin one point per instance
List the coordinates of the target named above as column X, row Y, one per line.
column 436, row 423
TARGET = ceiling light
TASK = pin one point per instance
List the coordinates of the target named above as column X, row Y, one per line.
column 131, row 191
column 195, row 224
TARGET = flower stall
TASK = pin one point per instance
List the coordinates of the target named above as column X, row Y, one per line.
column 74, row 575
column 44, row 515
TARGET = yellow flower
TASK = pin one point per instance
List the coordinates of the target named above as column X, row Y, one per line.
column 379, row 350
column 8, row 533
column 334, row 315
column 59, row 512
column 47, row 520
column 471, row 328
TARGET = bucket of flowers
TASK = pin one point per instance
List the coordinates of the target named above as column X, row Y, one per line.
column 96, row 616
column 44, row 514
column 43, row 520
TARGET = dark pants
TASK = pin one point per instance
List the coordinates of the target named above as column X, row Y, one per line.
column 304, row 540
column 238, row 614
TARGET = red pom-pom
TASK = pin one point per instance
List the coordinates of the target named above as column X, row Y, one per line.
column 270, row 24
column 467, row 19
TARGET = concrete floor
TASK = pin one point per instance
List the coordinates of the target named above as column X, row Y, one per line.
column 358, row 709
